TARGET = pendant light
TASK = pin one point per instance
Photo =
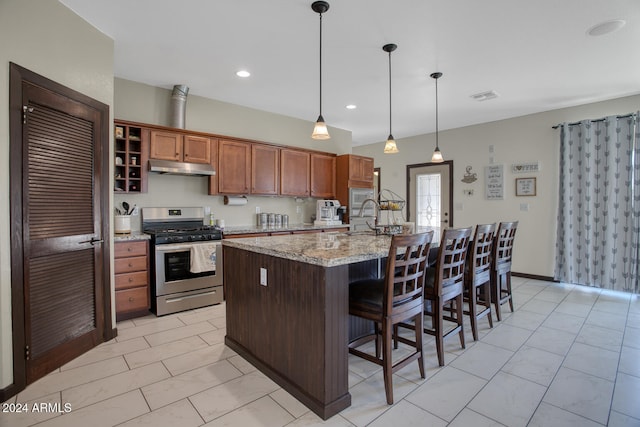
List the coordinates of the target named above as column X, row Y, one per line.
column 320, row 130
column 437, row 154
column 390, row 147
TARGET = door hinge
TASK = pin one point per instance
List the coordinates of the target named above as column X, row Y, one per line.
column 26, row 109
column 27, row 353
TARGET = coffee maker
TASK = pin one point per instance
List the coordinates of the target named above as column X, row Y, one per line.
column 327, row 212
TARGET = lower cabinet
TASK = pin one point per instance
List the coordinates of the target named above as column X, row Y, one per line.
column 132, row 279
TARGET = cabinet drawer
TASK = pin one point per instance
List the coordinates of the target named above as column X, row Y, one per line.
column 131, row 280
column 125, row 249
column 132, row 300
column 127, row 265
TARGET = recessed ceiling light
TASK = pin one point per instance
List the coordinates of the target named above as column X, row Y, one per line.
column 606, row 27
column 243, row 73
column 351, row 107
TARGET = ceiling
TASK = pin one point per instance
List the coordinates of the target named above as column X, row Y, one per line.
column 535, row 54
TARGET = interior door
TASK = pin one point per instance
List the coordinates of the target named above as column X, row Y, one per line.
column 61, row 258
column 430, row 197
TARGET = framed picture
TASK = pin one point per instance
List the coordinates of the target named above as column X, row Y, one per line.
column 525, row 186
column 119, row 132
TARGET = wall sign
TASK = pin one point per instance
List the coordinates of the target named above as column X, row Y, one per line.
column 525, row 186
column 529, row 167
column 494, row 182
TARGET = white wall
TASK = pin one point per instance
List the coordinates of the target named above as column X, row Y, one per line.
column 522, row 139
column 147, row 104
column 47, row 38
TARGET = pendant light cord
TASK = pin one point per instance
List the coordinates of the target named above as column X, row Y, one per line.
column 320, row 55
column 390, row 133
column 437, row 145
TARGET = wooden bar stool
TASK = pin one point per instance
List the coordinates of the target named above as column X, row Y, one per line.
column 477, row 276
column 501, row 266
column 444, row 286
column 397, row 297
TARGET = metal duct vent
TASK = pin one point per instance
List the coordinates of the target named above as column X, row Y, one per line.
column 178, row 110
column 485, row 96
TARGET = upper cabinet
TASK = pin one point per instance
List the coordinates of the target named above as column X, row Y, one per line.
column 295, row 171
column 131, row 155
column 180, row 147
column 323, row 176
column 265, row 169
column 234, row 167
column 355, row 171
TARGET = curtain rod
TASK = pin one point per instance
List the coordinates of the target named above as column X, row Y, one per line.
column 595, row 120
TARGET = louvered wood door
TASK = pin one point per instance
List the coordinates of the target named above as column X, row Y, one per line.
column 63, row 289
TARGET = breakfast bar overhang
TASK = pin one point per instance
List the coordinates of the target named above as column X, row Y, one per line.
column 287, row 308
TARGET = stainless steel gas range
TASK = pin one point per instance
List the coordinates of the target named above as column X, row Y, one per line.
column 186, row 261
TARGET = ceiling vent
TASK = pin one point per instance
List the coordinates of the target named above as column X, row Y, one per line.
column 485, row 96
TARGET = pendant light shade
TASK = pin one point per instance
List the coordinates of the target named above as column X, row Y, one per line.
column 390, row 147
column 437, row 154
column 320, row 130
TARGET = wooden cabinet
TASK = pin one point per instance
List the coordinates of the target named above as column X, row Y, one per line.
column 242, row 236
column 323, row 176
column 234, row 167
column 352, row 172
column 180, row 147
column 294, row 173
column 130, row 156
column 265, row 169
column 132, row 278
column 166, row 145
column 196, row 149
column 358, row 170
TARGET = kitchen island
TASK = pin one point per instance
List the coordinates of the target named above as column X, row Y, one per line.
column 287, row 308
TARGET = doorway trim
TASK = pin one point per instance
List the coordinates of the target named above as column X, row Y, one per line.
column 17, row 76
column 449, row 163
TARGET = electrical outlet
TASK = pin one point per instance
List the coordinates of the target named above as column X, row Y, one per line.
column 135, row 211
column 263, row 276
column 298, row 209
column 258, row 209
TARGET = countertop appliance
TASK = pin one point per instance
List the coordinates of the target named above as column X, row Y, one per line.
column 357, row 199
column 186, row 261
column 327, row 212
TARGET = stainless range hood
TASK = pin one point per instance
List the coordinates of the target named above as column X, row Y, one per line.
column 181, row 168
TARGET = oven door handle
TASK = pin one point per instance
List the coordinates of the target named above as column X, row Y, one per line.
column 181, row 247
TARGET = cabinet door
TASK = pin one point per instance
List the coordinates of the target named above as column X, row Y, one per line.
column 323, row 176
column 367, row 169
column 265, row 169
column 234, row 167
column 196, row 149
column 166, row 145
column 294, row 173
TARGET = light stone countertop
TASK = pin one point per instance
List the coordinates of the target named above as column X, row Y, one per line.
column 324, row 249
column 245, row 229
column 134, row 235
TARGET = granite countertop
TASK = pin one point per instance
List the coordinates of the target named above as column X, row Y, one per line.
column 134, row 235
column 324, row 249
column 245, row 229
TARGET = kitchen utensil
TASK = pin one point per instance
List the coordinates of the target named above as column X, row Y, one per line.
column 125, row 206
column 132, row 209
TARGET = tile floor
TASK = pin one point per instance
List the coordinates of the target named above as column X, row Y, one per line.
column 569, row 355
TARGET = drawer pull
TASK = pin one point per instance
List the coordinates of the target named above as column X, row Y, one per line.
column 130, row 279
column 129, row 249
column 131, row 299
column 130, row 265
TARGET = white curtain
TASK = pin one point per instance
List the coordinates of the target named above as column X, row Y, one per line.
column 598, row 239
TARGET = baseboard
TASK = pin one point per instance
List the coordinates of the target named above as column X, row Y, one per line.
column 8, row 392
column 533, row 276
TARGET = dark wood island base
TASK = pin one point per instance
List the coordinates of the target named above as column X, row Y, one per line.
column 295, row 329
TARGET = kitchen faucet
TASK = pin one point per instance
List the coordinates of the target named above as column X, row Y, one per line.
column 375, row 217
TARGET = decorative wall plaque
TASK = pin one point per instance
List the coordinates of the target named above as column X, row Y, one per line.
column 494, row 182
column 529, row 167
